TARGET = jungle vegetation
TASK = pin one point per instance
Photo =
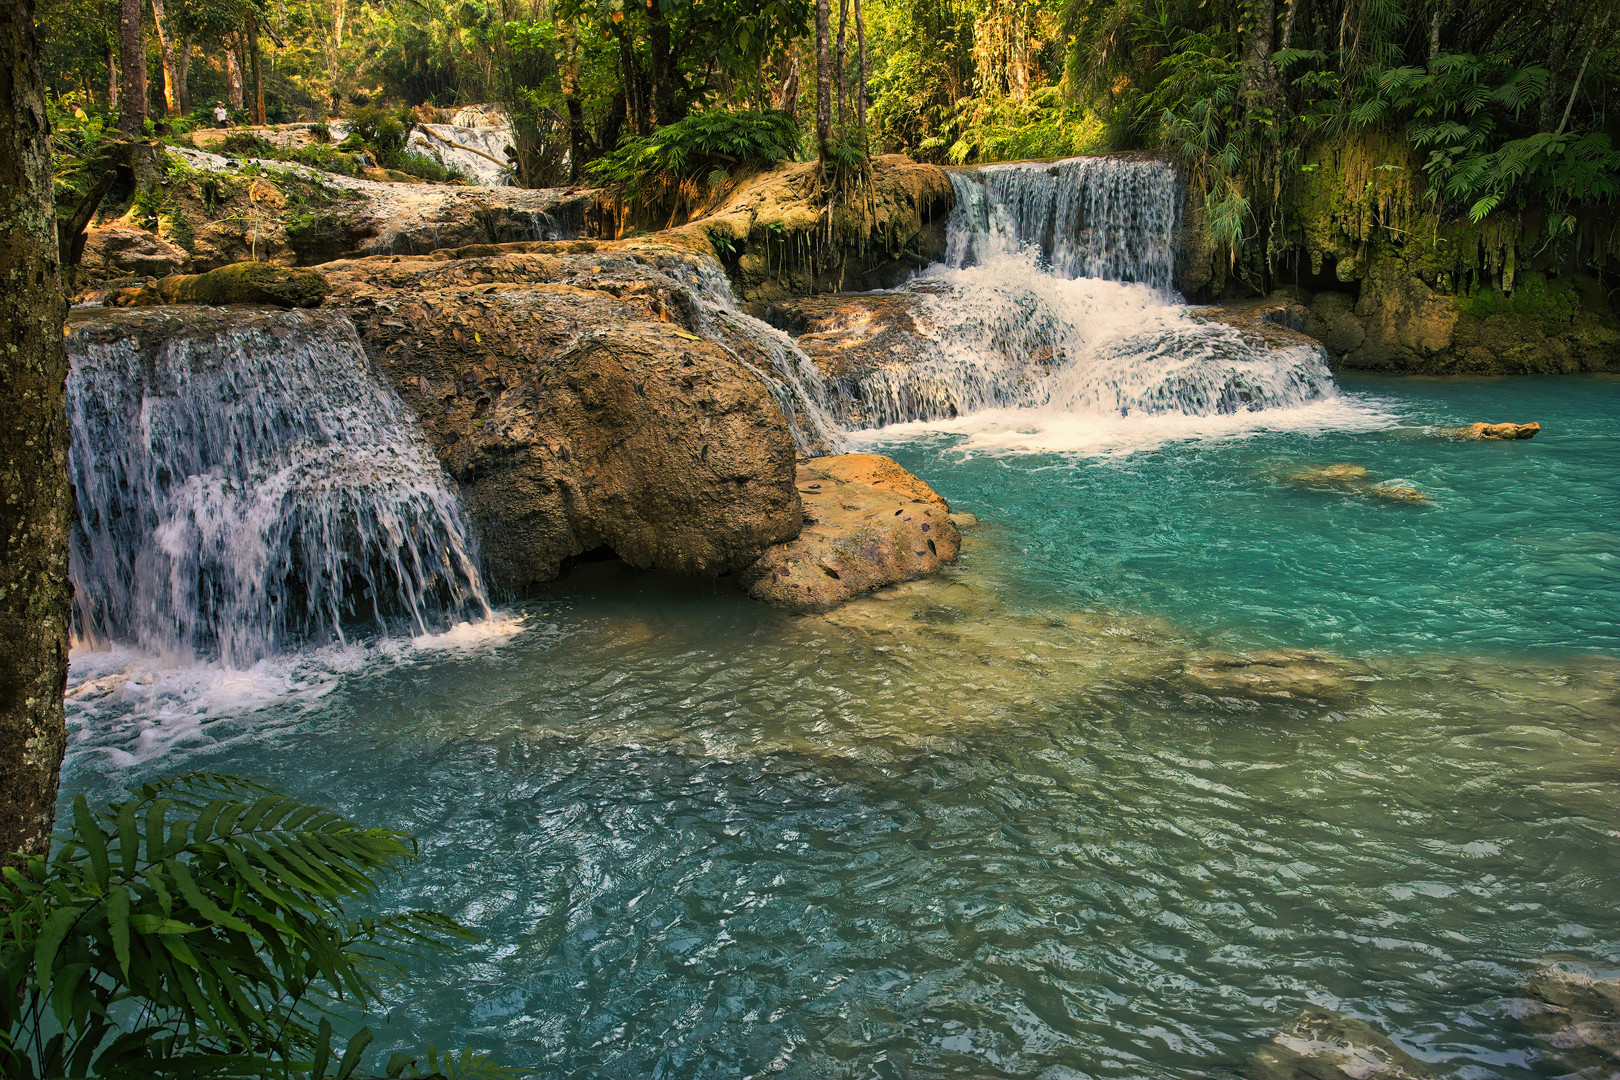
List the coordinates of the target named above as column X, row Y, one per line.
column 1498, row 104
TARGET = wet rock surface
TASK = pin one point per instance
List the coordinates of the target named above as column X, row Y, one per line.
column 583, row 416
column 1482, row 431
column 1346, row 478
column 867, row 524
column 1574, row 1010
column 1324, row 1045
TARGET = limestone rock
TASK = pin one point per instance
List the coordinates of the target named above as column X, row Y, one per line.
column 1273, row 674
column 878, row 470
column 578, row 418
column 1324, row 1045
column 1576, row 1013
column 247, row 283
column 1482, row 431
column 1336, row 477
column 857, row 537
column 1345, row 478
column 119, row 248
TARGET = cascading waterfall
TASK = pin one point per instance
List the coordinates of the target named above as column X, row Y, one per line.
column 776, row 360
column 245, row 482
column 1057, row 295
column 1097, row 217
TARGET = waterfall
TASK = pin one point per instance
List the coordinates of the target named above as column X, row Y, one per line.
column 1093, row 217
column 245, row 483
column 773, row 357
column 1056, row 296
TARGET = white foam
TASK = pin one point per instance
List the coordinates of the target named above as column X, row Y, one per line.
column 1099, row 434
column 136, row 706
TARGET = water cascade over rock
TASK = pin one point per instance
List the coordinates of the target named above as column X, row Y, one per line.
column 1056, row 296
column 245, row 482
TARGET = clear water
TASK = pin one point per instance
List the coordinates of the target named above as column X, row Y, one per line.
column 1035, row 818
column 998, row 825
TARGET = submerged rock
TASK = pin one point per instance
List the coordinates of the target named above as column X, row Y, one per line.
column 1335, row 477
column 868, row 523
column 1280, row 674
column 1483, row 431
column 1324, row 1045
column 1348, row 479
column 1576, row 1013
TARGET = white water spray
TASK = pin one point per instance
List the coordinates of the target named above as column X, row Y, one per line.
column 245, row 482
column 1056, row 299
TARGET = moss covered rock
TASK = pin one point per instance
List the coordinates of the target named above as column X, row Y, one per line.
column 247, row 283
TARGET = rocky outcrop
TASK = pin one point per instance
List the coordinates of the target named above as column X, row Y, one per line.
column 1506, row 432
column 580, row 416
column 1323, row 1045
column 868, row 523
column 119, row 249
column 777, row 237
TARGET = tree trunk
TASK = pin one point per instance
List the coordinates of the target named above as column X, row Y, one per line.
column 1562, row 26
column 787, row 97
column 579, row 148
column 630, row 75
column 253, row 63
column 182, row 73
column 860, row 100
column 233, row 73
column 37, row 508
column 664, row 76
column 840, row 60
column 112, row 78
column 823, row 83
column 171, row 84
column 1262, row 92
column 131, row 68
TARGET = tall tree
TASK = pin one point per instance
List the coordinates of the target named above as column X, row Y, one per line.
column 823, row 82
column 171, row 81
column 37, row 509
column 131, row 68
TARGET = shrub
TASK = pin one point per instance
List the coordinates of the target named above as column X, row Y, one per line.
column 679, row 162
column 198, row 929
column 381, row 131
column 427, row 167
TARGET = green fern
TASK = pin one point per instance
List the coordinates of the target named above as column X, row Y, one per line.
column 199, row 929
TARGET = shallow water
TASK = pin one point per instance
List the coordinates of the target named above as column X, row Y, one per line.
column 1027, row 820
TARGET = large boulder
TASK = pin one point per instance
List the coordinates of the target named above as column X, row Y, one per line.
column 867, row 523
column 576, row 419
column 1482, row 431
column 118, row 248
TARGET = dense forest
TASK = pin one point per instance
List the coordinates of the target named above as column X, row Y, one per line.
column 1456, row 108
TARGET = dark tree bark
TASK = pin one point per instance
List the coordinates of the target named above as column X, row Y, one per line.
column 630, row 77
column 823, row 82
column 860, row 100
column 841, row 60
column 1561, row 21
column 1262, row 91
column 131, row 68
column 666, row 80
column 253, row 64
column 37, row 507
column 182, row 73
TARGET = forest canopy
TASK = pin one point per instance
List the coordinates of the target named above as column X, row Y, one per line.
column 1499, row 104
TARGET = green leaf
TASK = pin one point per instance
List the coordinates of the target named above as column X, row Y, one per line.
column 49, row 942
column 352, row 1052
column 118, row 928
column 87, row 831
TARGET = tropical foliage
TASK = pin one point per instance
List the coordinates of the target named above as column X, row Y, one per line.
column 206, row 927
